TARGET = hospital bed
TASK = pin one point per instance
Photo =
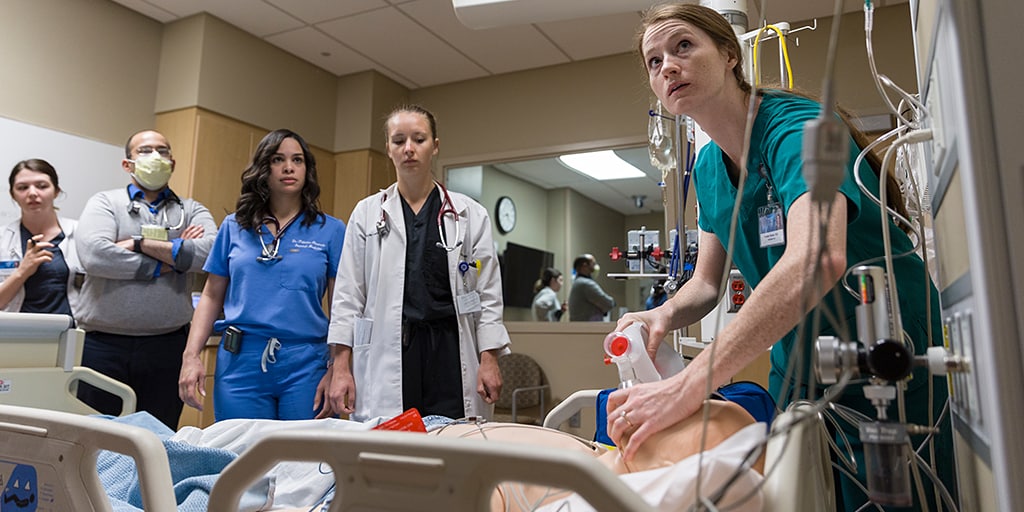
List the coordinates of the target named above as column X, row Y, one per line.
column 58, row 449
column 373, row 470
column 39, row 365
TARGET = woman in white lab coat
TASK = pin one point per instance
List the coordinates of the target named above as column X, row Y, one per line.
column 38, row 262
column 417, row 315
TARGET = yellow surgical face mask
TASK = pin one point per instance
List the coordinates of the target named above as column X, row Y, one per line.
column 152, row 171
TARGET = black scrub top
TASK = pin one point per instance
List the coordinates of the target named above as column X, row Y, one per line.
column 428, row 293
column 46, row 291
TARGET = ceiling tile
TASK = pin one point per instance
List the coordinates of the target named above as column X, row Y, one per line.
column 150, row 10
column 181, row 8
column 598, row 36
column 316, row 11
column 310, row 44
column 394, row 41
column 499, row 50
column 258, row 18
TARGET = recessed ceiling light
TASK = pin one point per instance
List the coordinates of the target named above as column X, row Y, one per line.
column 601, row 165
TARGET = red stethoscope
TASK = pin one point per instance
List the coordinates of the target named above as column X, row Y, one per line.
column 447, row 208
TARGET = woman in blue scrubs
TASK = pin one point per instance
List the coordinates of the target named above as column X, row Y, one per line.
column 272, row 263
column 792, row 250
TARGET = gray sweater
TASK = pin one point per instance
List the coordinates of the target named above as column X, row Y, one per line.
column 587, row 301
column 120, row 294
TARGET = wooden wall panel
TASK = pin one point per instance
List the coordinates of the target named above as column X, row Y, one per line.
column 223, row 150
column 179, row 126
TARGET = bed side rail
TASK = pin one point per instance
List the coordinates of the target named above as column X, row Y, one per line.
column 61, row 450
column 405, row 471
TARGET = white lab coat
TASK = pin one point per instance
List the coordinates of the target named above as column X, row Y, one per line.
column 368, row 295
column 11, row 249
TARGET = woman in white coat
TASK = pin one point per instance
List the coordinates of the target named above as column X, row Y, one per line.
column 38, row 263
column 417, row 315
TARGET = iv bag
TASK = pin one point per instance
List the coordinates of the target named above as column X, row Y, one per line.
column 660, row 136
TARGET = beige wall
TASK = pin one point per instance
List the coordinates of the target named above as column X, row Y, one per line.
column 181, row 59
column 531, row 209
column 84, row 67
column 594, row 229
column 894, row 57
column 364, row 100
column 248, row 79
column 540, row 111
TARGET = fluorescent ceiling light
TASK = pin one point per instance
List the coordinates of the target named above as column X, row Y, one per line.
column 601, row 165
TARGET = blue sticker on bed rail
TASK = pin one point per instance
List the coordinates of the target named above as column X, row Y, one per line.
column 20, row 486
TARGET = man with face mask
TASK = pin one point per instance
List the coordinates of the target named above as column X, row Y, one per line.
column 140, row 246
column 588, row 302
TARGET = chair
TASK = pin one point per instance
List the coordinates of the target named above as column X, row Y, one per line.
column 523, row 392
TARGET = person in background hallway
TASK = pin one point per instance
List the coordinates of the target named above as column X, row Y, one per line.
column 38, row 261
column 546, row 306
column 272, row 263
column 417, row 314
column 140, row 246
column 588, row 302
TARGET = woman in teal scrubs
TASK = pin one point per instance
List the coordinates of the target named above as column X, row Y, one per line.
column 792, row 250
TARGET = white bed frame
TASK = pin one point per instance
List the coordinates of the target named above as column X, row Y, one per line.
column 39, row 358
column 398, row 471
column 62, row 447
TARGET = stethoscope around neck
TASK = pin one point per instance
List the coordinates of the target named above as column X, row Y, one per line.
column 134, row 207
column 447, row 207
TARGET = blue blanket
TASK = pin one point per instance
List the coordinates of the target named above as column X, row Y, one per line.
column 194, row 470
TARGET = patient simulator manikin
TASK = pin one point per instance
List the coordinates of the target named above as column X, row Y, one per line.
column 664, row 450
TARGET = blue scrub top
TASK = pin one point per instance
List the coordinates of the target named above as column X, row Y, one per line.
column 775, row 159
column 280, row 299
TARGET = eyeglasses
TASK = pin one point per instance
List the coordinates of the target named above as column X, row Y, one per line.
column 163, row 151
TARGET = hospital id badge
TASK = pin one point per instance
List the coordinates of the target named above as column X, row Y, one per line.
column 770, row 225
column 7, row 268
column 154, row 232
column 468, row 303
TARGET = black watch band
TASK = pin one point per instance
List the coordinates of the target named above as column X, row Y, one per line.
column 138, row 243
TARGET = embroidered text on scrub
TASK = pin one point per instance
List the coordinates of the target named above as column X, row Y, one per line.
column 269, row 355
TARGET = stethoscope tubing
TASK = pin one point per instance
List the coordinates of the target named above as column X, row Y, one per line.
column 134, row 207
column 447, row 207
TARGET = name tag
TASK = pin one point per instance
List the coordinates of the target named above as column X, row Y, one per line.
column 468, row 303
column 363, row 330
column 7, row 268
column 154, row 232
column 770, row 225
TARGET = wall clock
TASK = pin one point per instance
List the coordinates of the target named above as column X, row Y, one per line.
column 505, row 214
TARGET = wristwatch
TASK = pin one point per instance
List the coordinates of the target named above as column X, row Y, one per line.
column 138, row 243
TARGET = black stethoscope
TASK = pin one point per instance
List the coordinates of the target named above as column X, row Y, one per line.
column 134, row 207
column 270, row 253
column 447, row 207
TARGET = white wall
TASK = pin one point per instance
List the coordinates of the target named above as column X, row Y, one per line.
column 84, row 166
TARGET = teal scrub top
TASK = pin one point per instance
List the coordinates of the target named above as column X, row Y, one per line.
column 775, row 161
